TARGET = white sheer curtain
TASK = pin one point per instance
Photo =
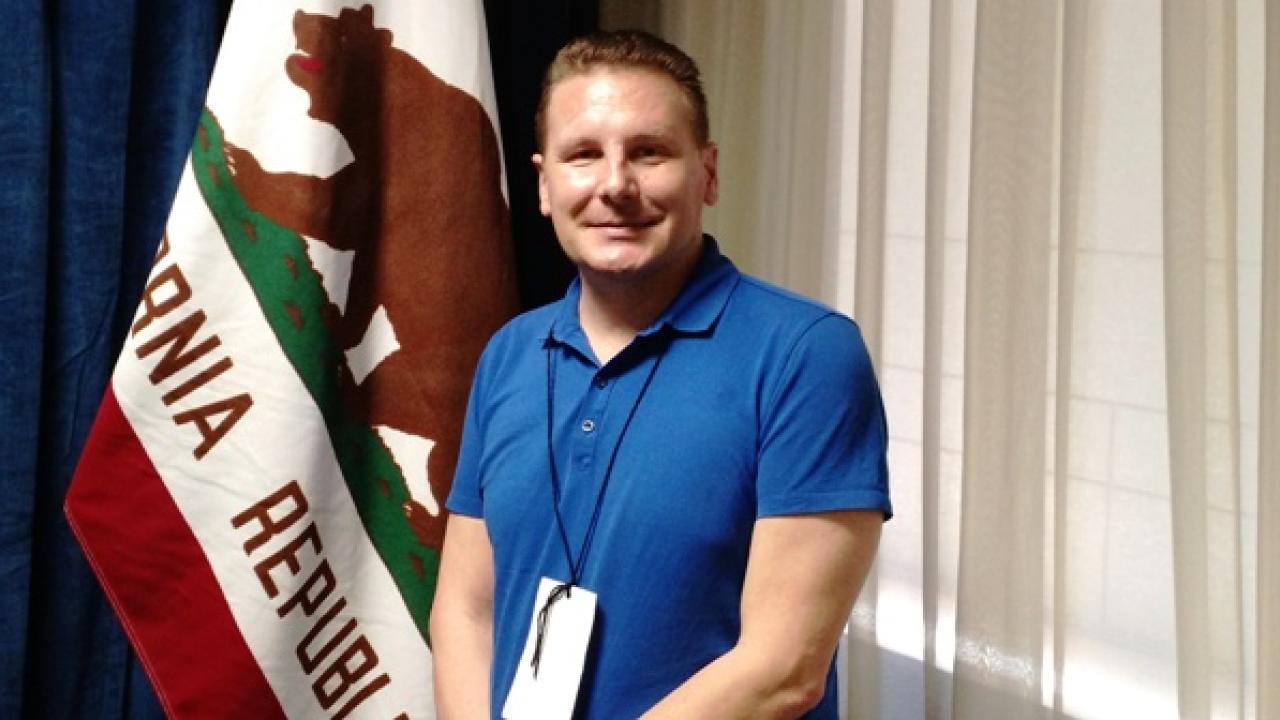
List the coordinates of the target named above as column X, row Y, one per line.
column 1058, row 223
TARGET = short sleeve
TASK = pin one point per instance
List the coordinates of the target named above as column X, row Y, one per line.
column 465, row 497
column 823, row 436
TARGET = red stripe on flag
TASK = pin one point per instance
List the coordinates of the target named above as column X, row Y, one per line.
column 158, row 579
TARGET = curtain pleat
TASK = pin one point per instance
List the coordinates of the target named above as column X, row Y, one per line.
column 1075, row 28
column 89, row 129
column 24, row 130
column 797, row 156
column 1203, row 418
column 938, row 129
column 98, row 102
column 873, row 153
column 1184, row 257
column 868, row 304
column 1224, row 325
column 999, row 615
column 740, row 96
column 1268, row 589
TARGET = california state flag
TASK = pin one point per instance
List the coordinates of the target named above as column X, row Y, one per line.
column 262, row 493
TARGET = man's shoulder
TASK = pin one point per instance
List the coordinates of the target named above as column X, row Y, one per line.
column 769, row 307
column 530, row 324
column 779, row 298
column 521, row 333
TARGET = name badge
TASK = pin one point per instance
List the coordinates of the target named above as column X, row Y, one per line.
column 550, row 670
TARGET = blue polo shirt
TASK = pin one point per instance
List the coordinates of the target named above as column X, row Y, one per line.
column 762, row 403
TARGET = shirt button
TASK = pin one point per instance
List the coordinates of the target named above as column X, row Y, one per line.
column 588, row 425
column 601, row 382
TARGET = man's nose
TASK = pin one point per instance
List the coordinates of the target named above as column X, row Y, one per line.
column 619, row 181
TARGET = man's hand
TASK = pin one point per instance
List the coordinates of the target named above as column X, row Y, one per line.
column 803, row 575
column 462, row 621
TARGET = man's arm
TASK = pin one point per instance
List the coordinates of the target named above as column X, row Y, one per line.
column 803, row 575
column 462, row 621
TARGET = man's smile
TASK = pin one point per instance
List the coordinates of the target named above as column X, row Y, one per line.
column 624, row 224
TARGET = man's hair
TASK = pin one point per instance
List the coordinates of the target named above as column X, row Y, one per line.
column 632, row 49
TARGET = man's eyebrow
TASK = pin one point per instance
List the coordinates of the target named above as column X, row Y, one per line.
column 570, row 144
column 665, row 137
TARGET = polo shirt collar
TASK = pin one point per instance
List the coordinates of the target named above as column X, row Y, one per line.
column 694, row 311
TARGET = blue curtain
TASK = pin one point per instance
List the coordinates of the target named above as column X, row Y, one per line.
column 98, row 103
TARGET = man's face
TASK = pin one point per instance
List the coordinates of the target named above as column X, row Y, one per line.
column 622, row 176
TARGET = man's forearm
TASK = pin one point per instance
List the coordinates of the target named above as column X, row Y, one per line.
column 462, row 622
column 803, row 575
column 461, row 659
column 744, row 684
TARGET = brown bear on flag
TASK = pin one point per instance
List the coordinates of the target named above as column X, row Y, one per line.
column 429, row 276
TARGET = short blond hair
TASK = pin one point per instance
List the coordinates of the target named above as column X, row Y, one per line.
column 635, row 49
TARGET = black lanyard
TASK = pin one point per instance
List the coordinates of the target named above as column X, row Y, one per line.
column 575, row 568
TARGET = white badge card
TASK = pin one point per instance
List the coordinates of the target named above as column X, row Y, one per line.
column 565, row 629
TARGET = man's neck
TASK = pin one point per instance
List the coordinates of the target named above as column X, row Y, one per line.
column 613, row 311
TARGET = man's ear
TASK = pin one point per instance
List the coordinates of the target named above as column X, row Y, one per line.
column 544, row 203
column 710, row 154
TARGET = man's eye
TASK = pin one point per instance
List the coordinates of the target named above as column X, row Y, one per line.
column 650, row 152
column 582, row 155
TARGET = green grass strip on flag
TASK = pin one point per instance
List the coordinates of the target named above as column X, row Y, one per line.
column 274, row 260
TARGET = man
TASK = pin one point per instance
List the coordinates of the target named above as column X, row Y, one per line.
column 702, row 451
